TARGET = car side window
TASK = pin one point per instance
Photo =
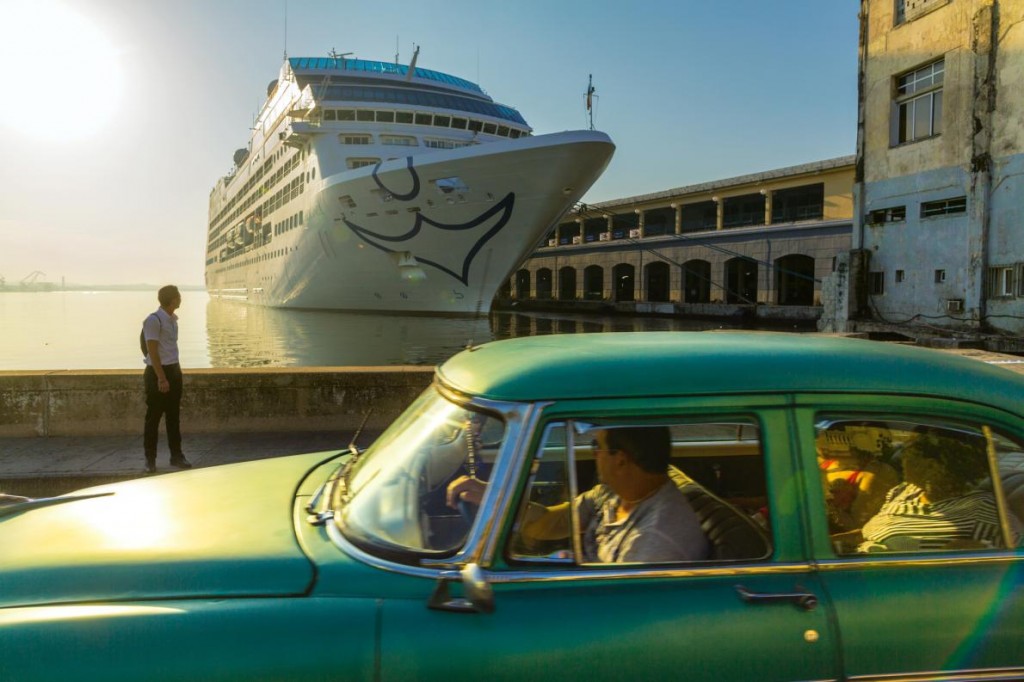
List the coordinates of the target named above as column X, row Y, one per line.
column 603, row 492
column 918, row 485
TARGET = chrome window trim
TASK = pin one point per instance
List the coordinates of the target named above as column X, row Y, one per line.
column 437, row 571
column 704, row 570
column 855, row 562
column 980, row 675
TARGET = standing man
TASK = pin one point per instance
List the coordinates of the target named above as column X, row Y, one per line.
column 163, row 379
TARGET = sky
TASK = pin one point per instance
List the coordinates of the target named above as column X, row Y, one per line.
column 118, row 116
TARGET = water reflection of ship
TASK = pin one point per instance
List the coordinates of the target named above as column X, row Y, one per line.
column 241, row 335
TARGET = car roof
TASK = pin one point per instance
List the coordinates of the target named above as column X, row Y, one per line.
column 639, row 364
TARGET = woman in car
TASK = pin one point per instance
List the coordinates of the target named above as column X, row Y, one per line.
column 939, row 505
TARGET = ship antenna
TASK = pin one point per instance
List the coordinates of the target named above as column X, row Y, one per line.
column 590, row 100
column 286, row 30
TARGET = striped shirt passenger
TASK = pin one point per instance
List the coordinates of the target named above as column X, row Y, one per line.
column 906, row 523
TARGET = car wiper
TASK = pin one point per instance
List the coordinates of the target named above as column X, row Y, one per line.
column 320, row 514
column 40, row 502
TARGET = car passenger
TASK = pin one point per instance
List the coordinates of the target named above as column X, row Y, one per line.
column 635, row 514
column 938, row 506
column 855, row 486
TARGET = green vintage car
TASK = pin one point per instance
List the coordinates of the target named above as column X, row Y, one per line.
column 858, row 508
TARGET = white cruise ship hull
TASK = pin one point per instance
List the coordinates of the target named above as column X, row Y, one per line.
column 434, row 233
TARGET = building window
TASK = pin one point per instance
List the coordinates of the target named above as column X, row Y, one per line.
column 930, row 209
column 940, row 276
column 1000, row 281
column 908, row 10
column 900, row 276
column 876, row 283
column 881, row 216
column 798, row 203
column 917, row 106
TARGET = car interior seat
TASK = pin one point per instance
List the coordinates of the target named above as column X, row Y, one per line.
column 732, row 534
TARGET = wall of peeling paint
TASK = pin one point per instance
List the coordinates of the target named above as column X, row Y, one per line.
column 978, row 154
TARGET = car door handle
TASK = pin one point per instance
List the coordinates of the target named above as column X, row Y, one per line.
column 802, row 600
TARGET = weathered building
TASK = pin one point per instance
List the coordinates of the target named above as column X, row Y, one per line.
column 939, row 192
column 762, row 239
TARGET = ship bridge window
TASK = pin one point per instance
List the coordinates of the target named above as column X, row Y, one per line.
column 385, row 117
column 399, row 140
column 360, row 162
column 450, row 185
column 442, row 121
column 364, row 115
column 346, row 114
column 490, row 128
column 476, row 126
column 459, row 123
column 503, row 131
column 403, row 117
column 423, row 119
column 329, row 115
column 355, row 139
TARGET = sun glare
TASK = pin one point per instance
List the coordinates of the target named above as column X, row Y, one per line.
column 63, row 77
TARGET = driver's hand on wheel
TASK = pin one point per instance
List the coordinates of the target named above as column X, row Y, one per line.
column 465, row 488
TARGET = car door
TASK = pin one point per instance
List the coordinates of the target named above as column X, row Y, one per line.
column 761, row 616
column 931, row 590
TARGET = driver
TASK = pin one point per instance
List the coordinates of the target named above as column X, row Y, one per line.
column 635, row 514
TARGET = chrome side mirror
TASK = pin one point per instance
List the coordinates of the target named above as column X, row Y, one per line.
column 478, row 595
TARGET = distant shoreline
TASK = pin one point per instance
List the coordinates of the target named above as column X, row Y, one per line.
column 54, row 288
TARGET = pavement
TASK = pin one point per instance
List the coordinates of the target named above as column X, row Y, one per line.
column 45, row 466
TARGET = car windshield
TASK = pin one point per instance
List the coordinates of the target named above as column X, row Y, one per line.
column 395, row 500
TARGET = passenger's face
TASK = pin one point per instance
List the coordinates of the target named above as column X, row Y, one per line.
column 925, row 472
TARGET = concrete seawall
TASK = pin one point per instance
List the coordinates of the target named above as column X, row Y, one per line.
column 109, row 403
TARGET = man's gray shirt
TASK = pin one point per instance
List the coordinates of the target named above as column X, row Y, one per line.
column 661, row 528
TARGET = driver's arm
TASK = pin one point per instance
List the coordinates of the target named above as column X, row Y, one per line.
column 540, row 522
column 467, row 489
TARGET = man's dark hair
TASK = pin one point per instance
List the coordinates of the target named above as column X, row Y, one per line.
column 167, row 294
column 650, row 447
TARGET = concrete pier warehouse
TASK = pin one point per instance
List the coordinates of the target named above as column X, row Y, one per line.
column 762, row 240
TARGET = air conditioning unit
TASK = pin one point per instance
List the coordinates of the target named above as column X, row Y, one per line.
column 577, row 240
column 604, row 237
column 634, row 234
column 552, row 242
column 954, row 305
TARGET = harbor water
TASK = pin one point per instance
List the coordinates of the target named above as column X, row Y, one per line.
column 53, row 330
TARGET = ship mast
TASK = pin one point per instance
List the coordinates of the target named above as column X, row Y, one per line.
column 590, row 100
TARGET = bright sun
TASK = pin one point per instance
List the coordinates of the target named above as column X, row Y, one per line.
column 63, row 76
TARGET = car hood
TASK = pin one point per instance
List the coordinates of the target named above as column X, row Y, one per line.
column 220, row 532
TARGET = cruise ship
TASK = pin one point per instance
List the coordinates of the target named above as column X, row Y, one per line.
column 378, row 186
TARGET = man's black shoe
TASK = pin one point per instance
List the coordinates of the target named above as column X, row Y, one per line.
column 180, row 463
column 150, row 467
